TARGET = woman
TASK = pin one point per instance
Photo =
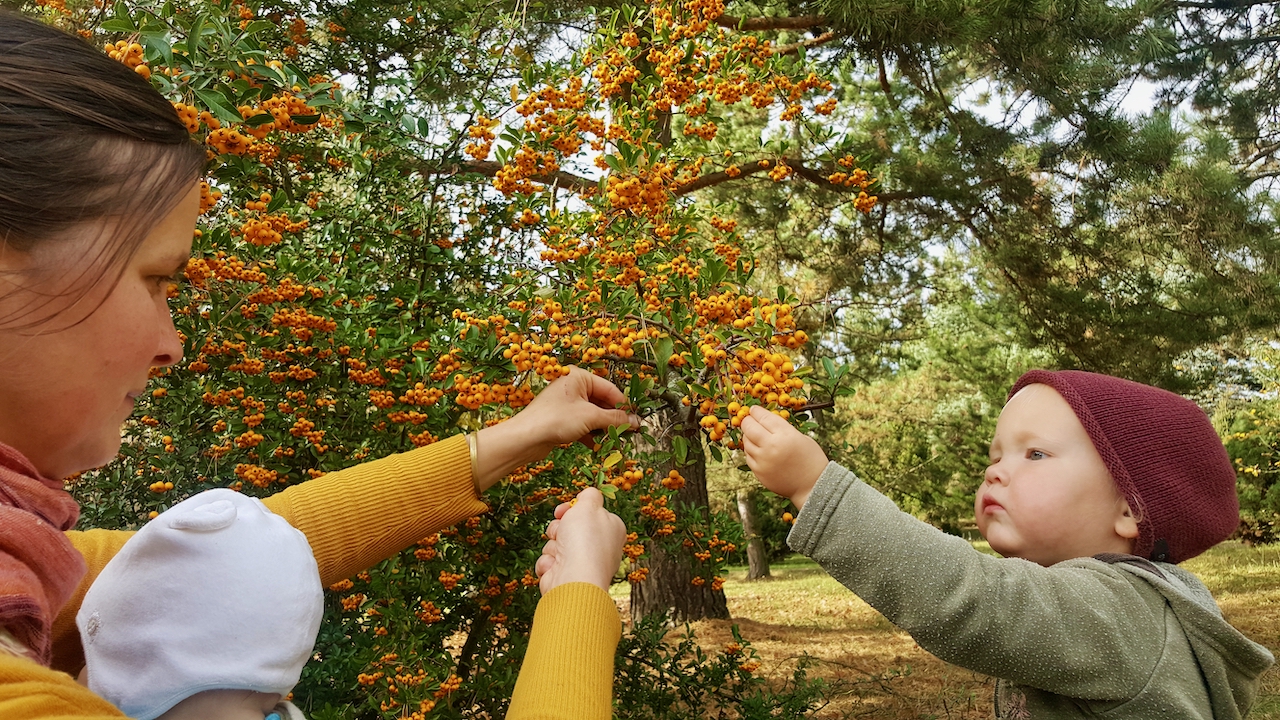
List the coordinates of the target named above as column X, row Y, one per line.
column 98, row 200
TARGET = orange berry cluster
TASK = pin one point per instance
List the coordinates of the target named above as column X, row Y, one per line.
column 855, row 177
column 482, row 137
column 256, row 475
column 209, row 197
column 450, row 580
column 428, row 612
column 528, row 162
column 645, row 193
column 268, row 229
column 129, row 53
column 656, row 509
column 448, row 686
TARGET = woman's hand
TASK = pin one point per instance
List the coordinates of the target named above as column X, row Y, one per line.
column 584, row 544
column 568, row 409
column 784, row 460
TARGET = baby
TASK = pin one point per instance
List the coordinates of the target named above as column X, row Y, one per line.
column 209, row 612
column 1096, row 488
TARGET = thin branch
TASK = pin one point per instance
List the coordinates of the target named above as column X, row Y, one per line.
column 801, row 22
column 717, row 178
column 490, row 168
column 1221, row 4
column 793, row 48
column 1260, row 40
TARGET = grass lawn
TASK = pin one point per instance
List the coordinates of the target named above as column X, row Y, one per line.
column 882, row 673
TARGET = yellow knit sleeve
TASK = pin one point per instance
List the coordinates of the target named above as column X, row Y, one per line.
column 97, row 547
column 31, row 692
column 568, row 670
column 353, row 519
column 360, row 516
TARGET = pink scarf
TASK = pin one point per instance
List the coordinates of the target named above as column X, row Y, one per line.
column 39, row 567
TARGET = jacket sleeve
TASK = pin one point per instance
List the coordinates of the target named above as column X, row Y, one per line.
column 353, row 519
column 1080, row 628
column 568, row 670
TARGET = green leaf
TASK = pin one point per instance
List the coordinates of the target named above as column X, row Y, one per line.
column 680, row 447
column 117, row 25
column 829, row 367
column 193, row 37
column 258, row 120
column 608, row 491
column 218, row 105
column 159, row 43
column 257, row 26
column 665, row 346
column 715, row 452
column 270, row 72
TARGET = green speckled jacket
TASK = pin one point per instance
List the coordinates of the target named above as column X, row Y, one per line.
column 1103, row 637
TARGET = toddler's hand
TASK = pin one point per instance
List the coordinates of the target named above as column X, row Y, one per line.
column 584, row 544
column 785, row 460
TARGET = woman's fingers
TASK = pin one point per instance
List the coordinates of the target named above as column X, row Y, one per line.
column 599, row 391
column 547, row 560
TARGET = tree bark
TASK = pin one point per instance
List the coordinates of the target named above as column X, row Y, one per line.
column 668, row 588
column 757, row 558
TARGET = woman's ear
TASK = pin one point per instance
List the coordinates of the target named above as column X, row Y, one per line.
column 1126, row 521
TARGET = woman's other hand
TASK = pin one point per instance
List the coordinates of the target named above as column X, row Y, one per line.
column 584, row 544
column 568, row 409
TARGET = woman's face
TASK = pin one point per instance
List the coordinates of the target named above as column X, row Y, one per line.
column 67, row 387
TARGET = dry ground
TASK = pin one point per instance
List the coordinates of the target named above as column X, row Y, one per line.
column 882, row 673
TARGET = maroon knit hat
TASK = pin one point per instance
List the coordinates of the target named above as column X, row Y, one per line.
column 1163, row 455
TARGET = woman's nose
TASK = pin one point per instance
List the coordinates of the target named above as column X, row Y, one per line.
column 169, row 351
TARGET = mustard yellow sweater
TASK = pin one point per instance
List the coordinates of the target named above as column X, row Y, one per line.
column 354, row 519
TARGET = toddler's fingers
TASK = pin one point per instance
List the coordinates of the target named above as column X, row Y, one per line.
column 752, row 429
column 767, row 420
column 552, row 528
column 562, row 508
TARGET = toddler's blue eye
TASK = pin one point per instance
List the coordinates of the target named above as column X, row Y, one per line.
column 1035, row 455
column 272, row 716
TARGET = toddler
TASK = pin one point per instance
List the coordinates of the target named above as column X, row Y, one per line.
column 1096, row 488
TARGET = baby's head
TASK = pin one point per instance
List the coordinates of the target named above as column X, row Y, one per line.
column 1083, row 464
column 209, row 611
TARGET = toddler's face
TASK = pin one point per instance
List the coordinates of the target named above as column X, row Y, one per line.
column 1047, row 496
column 223, row 705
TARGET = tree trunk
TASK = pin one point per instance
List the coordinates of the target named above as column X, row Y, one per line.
column 668, row 588
column 757, row 558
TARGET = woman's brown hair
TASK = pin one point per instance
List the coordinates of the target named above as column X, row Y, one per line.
column 86, row 144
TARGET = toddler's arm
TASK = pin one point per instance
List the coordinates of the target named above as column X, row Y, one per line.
column 568, row 670
column 784, row 460
column 1080, row 628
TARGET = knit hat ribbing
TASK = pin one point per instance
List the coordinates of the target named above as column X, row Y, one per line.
column 216, row 593
column 1164, row 456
